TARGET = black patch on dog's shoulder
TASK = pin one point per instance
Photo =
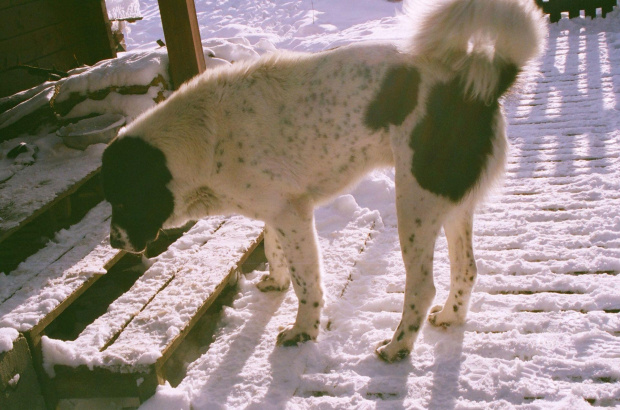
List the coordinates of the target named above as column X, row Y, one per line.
column 453, row 141
column 134, row 176
column 396, row 99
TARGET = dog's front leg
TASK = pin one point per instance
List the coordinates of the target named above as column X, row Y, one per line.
column 296, row 234
column 420, row 215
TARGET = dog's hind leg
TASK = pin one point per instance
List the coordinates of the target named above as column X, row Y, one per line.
column 463, row 271
column 279, row 277
column 295, row 231
column 420, row 216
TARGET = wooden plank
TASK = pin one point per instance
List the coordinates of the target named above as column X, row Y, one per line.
column 28, row 47
column 14, row 81
column 164, row 305
column 87, row 30
column 50, row 280
column 19, row 387
column 182, row 39
column 82, row 382
column 11, row 82
column 28, row 17
column 230, row 279
column 63, row 59
column 60, row 34
column 608, row 6
column 25, row 231
column 555, row 7
column 7, row 232
column 173, row 311
column 5, row 4
column 96, row 31
column 105, row 329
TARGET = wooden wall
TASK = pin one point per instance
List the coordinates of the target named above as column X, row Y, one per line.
column 61, row 34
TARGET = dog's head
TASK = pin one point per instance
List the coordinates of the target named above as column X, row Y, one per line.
column 135, row 177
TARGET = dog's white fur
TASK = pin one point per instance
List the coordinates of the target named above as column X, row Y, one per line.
column 271, row 139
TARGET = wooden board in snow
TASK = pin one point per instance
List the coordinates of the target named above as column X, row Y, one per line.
column 125, row 349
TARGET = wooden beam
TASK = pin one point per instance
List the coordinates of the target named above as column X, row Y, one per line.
column 180, row 25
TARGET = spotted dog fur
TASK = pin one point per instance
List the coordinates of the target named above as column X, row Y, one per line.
column 270, row 139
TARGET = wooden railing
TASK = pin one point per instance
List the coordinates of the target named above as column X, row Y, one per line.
column 555, row 8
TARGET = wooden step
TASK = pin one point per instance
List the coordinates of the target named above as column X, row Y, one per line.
column 39, row 200
column 122, row 353
column 47, row 282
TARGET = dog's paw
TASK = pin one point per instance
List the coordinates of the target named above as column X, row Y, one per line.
column 269, row 284
column 292, row 336
column 441, row 317
column 390, row 352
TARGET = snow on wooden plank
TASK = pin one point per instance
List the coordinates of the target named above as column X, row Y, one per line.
column 7, row 337
column 123, row 9
column 544, row 282
column 341, row 249
column 122, row 311
column 65, row 240
column 36, row 292
column 34, row 189
column 129, row 84
column 605, row 300
column 160, row 307
column 205, row 272
column 497, row 321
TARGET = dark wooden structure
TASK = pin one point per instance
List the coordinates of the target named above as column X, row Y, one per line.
column 19, row 386
column 50, row 34
column 180, row 25
column 72, row 313
column 555, row 8
column 195, row 288
column 41, row 37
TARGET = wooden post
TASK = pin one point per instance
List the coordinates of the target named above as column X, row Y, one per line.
column 608, row 6
column 180, row 25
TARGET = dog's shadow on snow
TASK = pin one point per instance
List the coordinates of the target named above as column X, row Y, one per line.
column 238, row 354
column 446, row 368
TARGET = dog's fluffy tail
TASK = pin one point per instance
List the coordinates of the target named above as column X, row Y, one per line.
column 485, row 42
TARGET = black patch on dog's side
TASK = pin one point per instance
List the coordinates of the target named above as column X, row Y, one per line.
column 453, row 141
column 507, row 78
column 396, row 99
column 134, row 176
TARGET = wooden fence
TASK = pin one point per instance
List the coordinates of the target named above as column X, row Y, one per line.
column 555, row 8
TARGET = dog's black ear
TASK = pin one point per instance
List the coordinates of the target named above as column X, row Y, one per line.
column 130, row 166
column 135, row 175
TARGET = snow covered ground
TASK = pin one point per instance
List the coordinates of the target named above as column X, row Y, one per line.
column 544, row 326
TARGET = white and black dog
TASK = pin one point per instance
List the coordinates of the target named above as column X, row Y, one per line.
column 272, row 138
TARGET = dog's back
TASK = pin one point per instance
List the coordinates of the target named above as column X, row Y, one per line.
column 297, row 122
